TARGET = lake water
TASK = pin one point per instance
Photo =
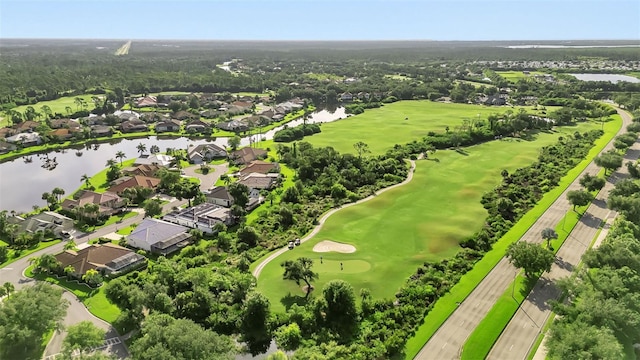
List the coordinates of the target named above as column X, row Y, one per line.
column 614, row 78
column 22, row 184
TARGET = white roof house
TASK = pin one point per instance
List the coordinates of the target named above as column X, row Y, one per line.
column 154, row 159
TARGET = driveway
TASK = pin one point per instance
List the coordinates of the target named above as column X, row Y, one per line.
column 207, row 181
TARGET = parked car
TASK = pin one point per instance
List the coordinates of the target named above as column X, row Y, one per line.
column 297, row 242
column 291, row 246
column 66, row 235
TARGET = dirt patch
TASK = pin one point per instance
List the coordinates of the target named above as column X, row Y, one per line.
column 328, row 245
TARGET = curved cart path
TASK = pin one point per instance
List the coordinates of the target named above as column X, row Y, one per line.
column 256, row 272
column 447, row 342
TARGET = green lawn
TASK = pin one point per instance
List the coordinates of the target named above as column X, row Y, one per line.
column 99, row 180
column 514, row 76
column 119, row 217
column 386, row 126
column 446, row 305
column 13, row 255
column 94, row 299
column 401, row 229
column 59, row 105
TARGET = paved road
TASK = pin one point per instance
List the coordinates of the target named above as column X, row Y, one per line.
column 523, row 329
column 256, row 272
column 77, row 312
column 447, row 342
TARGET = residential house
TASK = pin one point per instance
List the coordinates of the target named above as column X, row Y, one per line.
column 364, row 95
column 45, row 221
column 219, row 195
column 26, row 139
column 233, row 125
column 261, row 167
column 159, row 237
column 6, row 132
column 210, row 113
column 246, row 105
column 168, row 125
column 205, row 152
column 126, row 182
column 346, row 96
column 259, row 181
column 197, row 126
column 6, row 147
column 108, row 259
column 26, row 126
column 64, row 123
column 183, row 115
column 127, row 115
column 134, row 125
column 101, row 130
column 108, row 203
column 143, row 170
column 203, row 217
column 154, row 159
column 147, row 101
column 247, row 155
column 61, row 134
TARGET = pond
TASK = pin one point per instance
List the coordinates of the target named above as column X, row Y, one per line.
column 22, row 183
column 613, row 78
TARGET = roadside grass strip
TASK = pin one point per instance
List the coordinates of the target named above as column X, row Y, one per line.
column 482, row 339
column 447, row 304
column 17, row 255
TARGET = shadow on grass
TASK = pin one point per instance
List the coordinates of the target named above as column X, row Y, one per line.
column 291, row 299
column 462, row 151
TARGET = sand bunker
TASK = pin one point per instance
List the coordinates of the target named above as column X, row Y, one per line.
column 328, row 245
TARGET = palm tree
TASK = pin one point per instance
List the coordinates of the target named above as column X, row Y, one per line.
column 549, row 234
column 70, row 245
column 226, row 179
column 69, row 271
column 58, row 192
column 68, row 109
column 87, row 180
column 8, row 288
column 111, row 163
column 47, row 263
column 92, row 276
column 78, row 101
column 154, row 149
column 141, row 148
column 120, row 155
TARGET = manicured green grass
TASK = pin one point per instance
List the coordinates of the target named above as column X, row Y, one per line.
column 402, row 228
column 99, row 180
column 59, row 105
column 94, row 299
column 126, row 230
column 634, row 74
column 386, row 126
column 446, row 305
column 119, row 217
column 514, row 76
column 14, row 256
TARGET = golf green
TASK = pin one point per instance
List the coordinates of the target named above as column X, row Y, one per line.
column 396, row 231
column 400, row 123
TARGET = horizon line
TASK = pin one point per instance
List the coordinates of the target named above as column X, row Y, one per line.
column 313, row 40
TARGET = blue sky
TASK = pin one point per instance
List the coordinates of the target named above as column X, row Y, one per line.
column 322, row 20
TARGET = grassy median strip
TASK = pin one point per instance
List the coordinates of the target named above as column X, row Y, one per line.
column 447, row 304
column 489, row 329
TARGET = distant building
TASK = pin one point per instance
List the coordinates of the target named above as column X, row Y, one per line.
column 203, row 217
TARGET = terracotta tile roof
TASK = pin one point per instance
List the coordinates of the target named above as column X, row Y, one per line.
column 257, row 166
column 133, row 181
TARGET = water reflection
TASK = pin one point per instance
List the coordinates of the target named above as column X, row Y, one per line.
column 22, row 182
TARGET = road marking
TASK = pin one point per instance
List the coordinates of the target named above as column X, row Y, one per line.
column 524, row 326
column 445, row 344
column 511, row 347
column 462, row 323
column 477, row 304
